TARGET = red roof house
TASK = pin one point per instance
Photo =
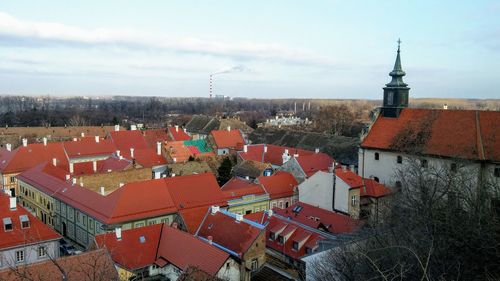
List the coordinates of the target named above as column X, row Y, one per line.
column 269, row 153
column 177, row 134
column 230, row 139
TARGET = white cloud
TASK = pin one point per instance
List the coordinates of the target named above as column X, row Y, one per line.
column 29, row 33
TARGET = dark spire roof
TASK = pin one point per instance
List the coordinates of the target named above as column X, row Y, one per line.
column 397, row 73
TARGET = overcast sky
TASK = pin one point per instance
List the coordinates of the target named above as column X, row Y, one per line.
column 265, row 49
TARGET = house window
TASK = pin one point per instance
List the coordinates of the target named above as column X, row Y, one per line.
column 453, row 167
column 400, row 159
column 398, row 184
column 255, row 264
column 7, row 224
column 281, row 239
column 247, row 212
column 273, row 205
column 12, row 179
column 377, row 156
column 271, row 236
column 424, row 163
column 139, row 224
column 19, row 256
column 354, row 200
column 25, row 222
column 42, row 251
column 497, row 172
column 308, row 250
column 295, row 245
column 165, row 221
column 280, row 204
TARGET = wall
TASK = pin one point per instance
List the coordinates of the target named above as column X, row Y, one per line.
column 250, row 203
column 283, row 202
column 229, row 271
column 293, row 167
column 318, row 190
column 40, row 204
column 342, row 199
column 8, row 257
column 257, row 251
column 222, row 151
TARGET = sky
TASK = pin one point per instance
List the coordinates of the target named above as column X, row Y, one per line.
column 255, row 49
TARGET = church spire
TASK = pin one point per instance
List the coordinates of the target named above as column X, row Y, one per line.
column 396, row 91
column 397, row 73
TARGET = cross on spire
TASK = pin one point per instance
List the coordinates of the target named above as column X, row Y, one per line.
column 399, row 43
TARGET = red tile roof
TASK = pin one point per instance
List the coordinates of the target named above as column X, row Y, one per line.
column 124, row 140
column 177, row 150
column 24, row 158
column 77, row 267
column 88, row 147
column 350, row 178
column 195, row 191
column 227, row 232
column 162, row 245
column 279, row 185
column 103, row 166
column 237, row 187
column 467, row 134
column 316, row 218
column 228, row 139
column 184, row 250
column 38, row 232
column 152, row 136
column 299, row 234
column 274, row 154
column 312, row 163
column 374, row 189
column 193, row 217
column 148, row 157
column 178, row 135
column 257, row 217
column 130, row 252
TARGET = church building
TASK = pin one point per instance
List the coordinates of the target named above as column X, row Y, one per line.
column 455, row 139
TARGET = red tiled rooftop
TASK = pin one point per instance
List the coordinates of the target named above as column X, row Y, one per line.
column 227, row 232
column 312, row 163
column 148, row 157
column 26, row 157
column 350, row 178
column 274, row 154
column 316, row 217
column 236, row 188
column 374, row 189
column 152, row 136
column 279, row 185
column 467, row 134
column 193, row 217
column 124, row 140
column 178, row 135
column 88, row 147
column 177, row 150
column 38, row 232
column 228, row 139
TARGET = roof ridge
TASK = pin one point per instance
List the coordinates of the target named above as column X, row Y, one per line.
column 479, row 143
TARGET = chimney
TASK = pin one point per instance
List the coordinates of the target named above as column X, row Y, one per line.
column 117, row 128
column 239, row 217
column 286, row 151
column 121, row 184
column 270, row 213
column 210, row 239
column 75, row 139
column 12, row 203
column 185, row 130
column 74, row 181
column 25, row 142
column 344, row 168
column 81, row 183
column 247, row 178
column 118, row 233
column 265, row 148
column 94, row 166
column 173, row 175
column 44, row 141
column 9, row 147
column 54, row 161
column 296, row 155
column 316, row 150
column 245, row 148
column 118, row 153
column 214, row 209
column 103, row 190
column 82, row 134
column 68, row 177
column 351, row 167
column 133, row 127
column 158, row 148
column 131, row 152
column 97, row 139
column 175, row 160
column 228, row 128
column 71, row 168
column 176, row 128
column 445, row 106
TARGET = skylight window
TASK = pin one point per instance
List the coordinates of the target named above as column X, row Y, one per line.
column 142, row 239
column 25, row 221
column 297, row 209
column 7, row 224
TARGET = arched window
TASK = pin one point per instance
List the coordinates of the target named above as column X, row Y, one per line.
column 377, row 156
column 400, row 159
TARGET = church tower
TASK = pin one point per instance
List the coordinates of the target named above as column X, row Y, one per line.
column 396, row 91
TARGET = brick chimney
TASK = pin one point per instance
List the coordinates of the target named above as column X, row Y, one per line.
column 12, row 203
column 176, row 128
column 245, row 148
column 158, row 148
column 228, row 128
column 83, row 135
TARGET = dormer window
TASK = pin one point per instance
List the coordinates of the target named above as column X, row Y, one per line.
column 25, row 221
column 272, row 236
column 7, row 224
column 308, row 250
column 281, row 239
column 295, row 245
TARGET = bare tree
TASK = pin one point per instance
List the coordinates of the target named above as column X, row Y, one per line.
column 442, row 225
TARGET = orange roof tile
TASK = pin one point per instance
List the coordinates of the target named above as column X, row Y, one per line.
column 279, row 185
column 228, row 139
column 466, row 134
column 312, row 163
column 178, row 135
column 274, row 154
column 38, row 232
column 26, row 157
